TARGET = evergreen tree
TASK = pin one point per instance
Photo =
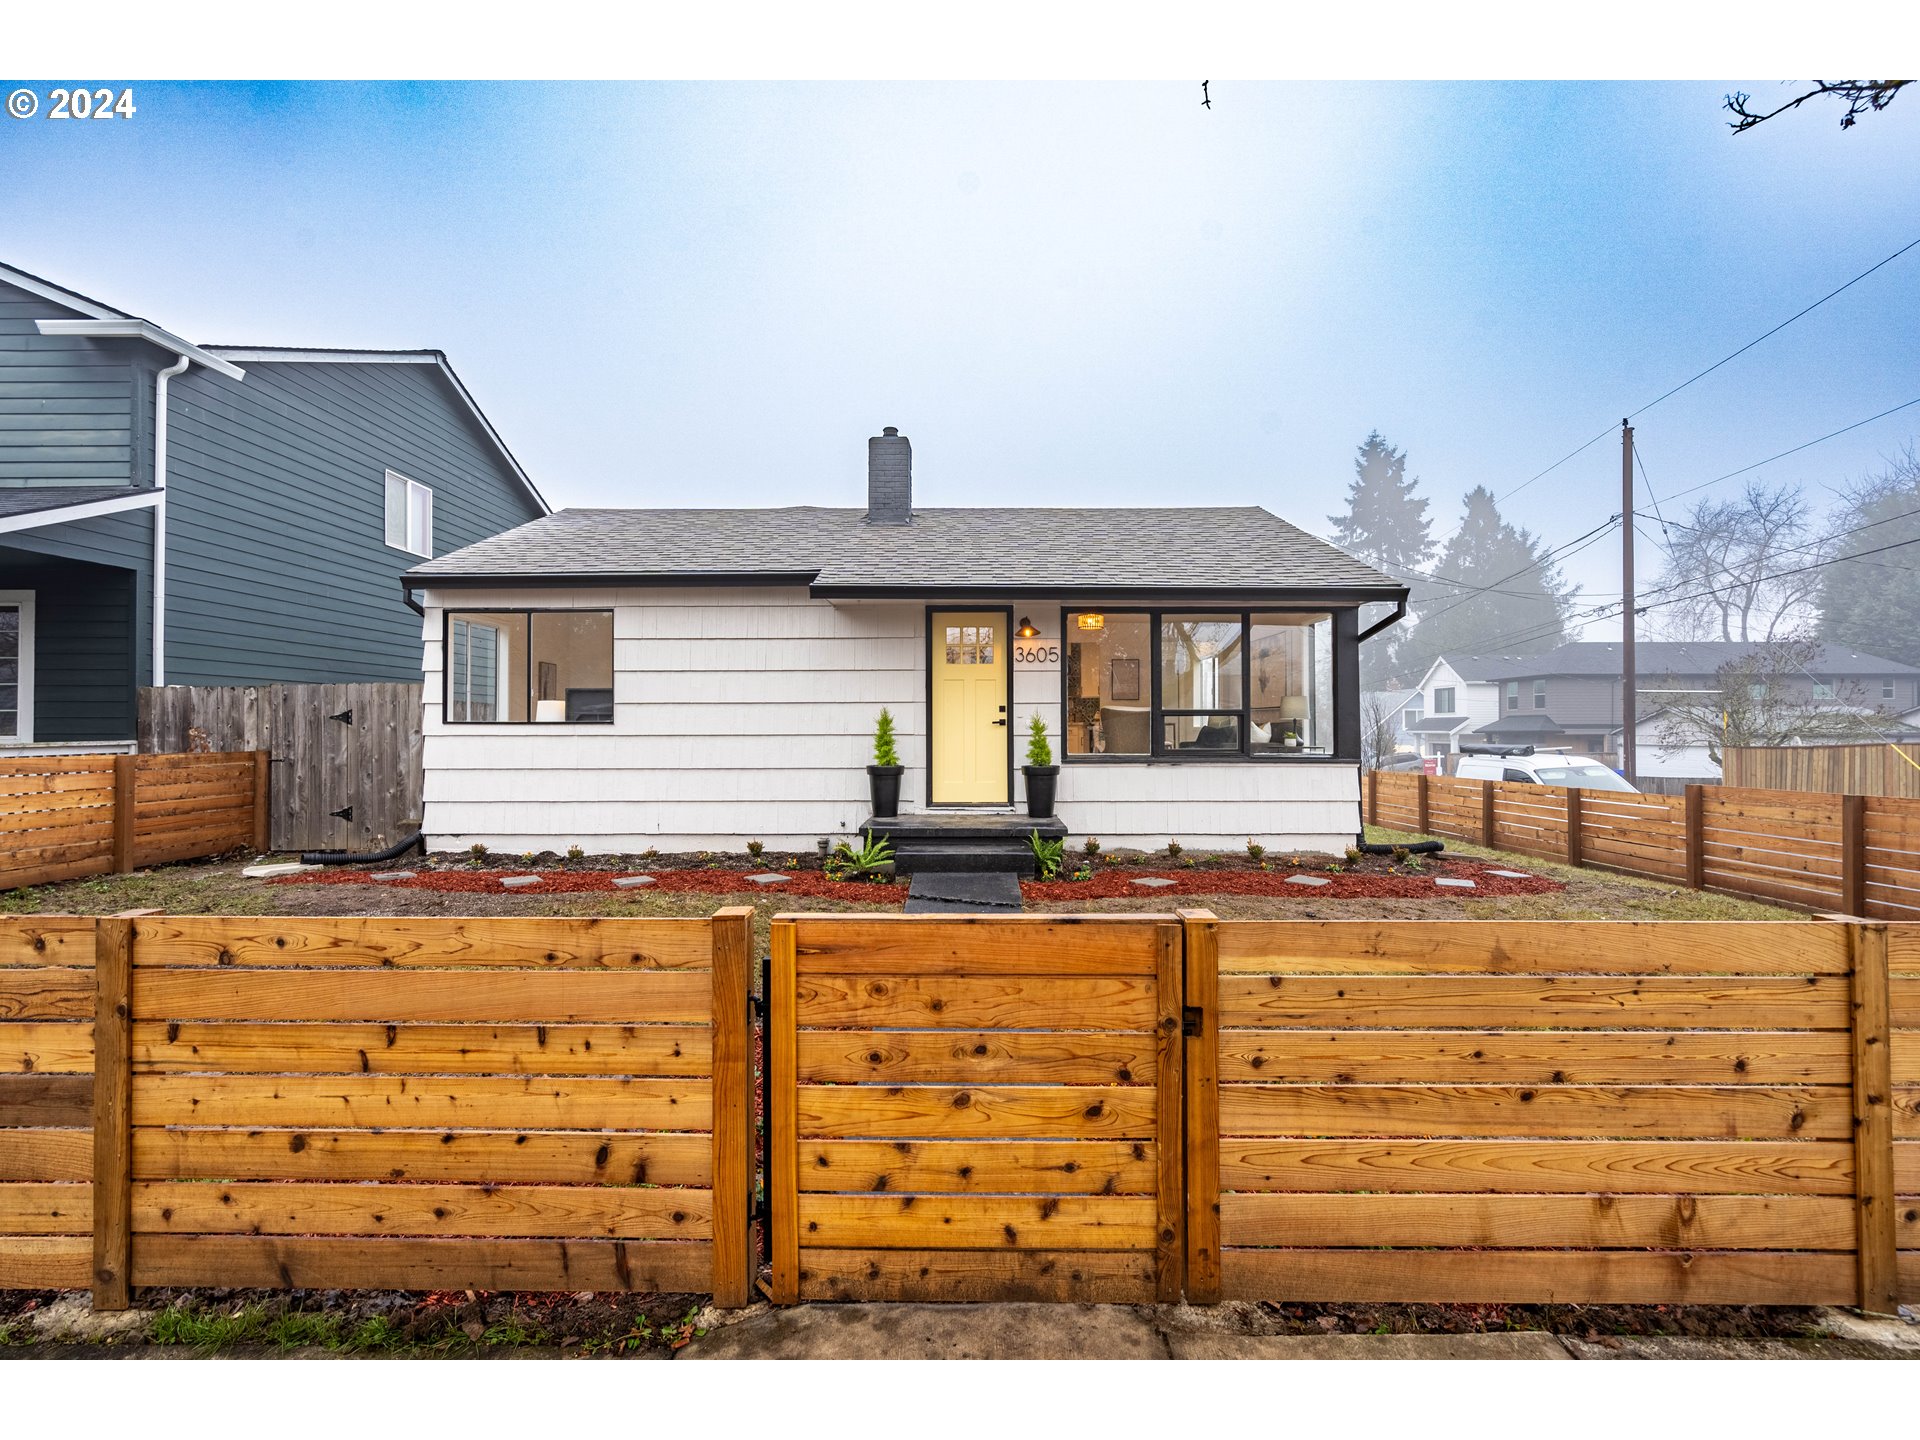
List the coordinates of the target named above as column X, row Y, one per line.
column 1386, row 525
column 1509, row 599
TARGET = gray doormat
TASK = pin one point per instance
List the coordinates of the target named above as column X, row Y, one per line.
column 935, row 892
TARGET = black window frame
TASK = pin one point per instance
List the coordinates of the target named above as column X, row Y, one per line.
column 526, row 661
column 1157, row 753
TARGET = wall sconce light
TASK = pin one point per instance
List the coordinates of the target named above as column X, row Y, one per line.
column 1026, row 630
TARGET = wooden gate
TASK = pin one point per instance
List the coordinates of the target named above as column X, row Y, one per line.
column 966, row 1109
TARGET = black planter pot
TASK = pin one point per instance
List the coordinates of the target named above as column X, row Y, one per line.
column 883, row 785
column 1042, row 781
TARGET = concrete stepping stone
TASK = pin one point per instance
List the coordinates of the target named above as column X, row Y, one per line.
column 284, row 867
column 632, row 882
column 520, row 882
column 1308, row 880
column 1453, row 884
column 1511, row 874
column 1154, row 882
column 391, row 875
column 768, row 879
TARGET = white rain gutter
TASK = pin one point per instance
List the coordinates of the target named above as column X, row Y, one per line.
column 160, row 516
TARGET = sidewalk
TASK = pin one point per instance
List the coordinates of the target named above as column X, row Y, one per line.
column 1179, row 1332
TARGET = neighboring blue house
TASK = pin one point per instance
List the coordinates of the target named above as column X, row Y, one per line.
column 180, row 514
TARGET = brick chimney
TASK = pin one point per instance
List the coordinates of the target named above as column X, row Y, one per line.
column 889, row 479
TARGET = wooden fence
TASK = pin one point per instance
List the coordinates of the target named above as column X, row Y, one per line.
column 1541, row 1113
column 1903, row 1071
column 1856, row 854
column 65, row 817
column 975, row 1109
column 1882, row 769
column 346, row 758
column 46, row 1101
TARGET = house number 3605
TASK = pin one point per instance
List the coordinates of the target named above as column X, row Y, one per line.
column 1037, row 654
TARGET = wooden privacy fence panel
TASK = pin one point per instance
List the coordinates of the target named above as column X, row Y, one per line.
column 970, row 1109
column 1903, row 958
column 1882, row 769
column 1858, row 855
column 1527, row 1112
column 522, row 1104
column 336, row 748
column 69, row 817
column 46, row 1102
column 56, row 819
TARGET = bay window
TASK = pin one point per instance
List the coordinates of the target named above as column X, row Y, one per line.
column 512, row 667
column 1198, row 685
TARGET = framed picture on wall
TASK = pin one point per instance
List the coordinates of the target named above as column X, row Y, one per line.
column 1123, row 679
column 549, row 680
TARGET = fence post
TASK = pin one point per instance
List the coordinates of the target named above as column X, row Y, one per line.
column 1575, row 847
column 123, row 767
column 112, row 1112
column 1420, row 805
column 1169, row 1055
column 262, row 793
column 1201, row 933
column 783, row 1142
column 1873, row 1120
column 1695, row 849
column 732, row 1106
column 1853, row 855
column 1373, row 797
column 1488, row 820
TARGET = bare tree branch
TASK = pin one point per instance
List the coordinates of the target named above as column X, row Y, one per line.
column 1862, row 96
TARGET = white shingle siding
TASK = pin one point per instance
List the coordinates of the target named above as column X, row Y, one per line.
column 748, row 713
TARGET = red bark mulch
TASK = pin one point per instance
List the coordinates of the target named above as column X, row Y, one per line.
column 1105, row 883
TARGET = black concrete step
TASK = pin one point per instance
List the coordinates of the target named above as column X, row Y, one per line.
column 912, row 859
column 943, row 892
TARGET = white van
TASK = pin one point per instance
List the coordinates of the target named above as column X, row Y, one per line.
column 1518, row 762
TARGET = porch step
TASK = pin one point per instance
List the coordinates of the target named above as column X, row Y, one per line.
column 977, row 892
column 963, row 842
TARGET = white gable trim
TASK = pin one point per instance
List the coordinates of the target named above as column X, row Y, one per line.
column 35, row 519
column 47, row 290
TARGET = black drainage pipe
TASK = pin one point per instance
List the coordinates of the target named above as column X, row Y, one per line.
column 347, row 857
column 1419, row 847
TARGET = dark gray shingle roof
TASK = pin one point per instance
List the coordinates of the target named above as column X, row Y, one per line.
column 985, row 550
column 35, row 498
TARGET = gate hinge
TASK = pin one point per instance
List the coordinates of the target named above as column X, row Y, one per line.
column 346, row 814
column 757, row 1005
column 345, row 717
column 1191, row 1019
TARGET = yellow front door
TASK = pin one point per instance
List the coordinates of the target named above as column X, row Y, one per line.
column 970, row 665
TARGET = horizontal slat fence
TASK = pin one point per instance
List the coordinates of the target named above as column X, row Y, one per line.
column 1859, row 855
column 1528, row 1113
column 975, row 1109
column 46, row 1102
column 520, row 1104
column 67, row 817
column 1903, row 963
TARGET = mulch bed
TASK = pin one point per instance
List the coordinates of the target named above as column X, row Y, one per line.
column 1104, row 883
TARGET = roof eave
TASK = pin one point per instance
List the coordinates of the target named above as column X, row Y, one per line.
column 134, row 329
column 1113, row 594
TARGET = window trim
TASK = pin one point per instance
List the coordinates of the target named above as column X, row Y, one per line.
column 1539, row 694
column 1512, row 694
column 1156, row 753
column 1453, row 697
column 526, row 666
column 24, row 601
column 406, row 512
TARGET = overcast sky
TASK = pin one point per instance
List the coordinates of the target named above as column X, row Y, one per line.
column 1065, row 294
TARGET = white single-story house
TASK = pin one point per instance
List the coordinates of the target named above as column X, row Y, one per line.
column 695, row 679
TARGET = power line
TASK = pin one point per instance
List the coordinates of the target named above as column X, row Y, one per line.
column 1668, row 395
column 1563, row 552
column 1794, row 451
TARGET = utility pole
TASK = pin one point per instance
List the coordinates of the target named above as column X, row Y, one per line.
column 1629, row 698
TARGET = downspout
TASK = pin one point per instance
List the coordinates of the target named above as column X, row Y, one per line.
column 160, row 517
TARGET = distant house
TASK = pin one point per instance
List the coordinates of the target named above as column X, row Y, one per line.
column 1569, row 698
column 176, row 513
column 1389, row 717
column 1457, row 697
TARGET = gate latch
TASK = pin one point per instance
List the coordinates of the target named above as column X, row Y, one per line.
column 1190, row 1021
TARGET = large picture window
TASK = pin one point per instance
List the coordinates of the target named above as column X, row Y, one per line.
column 511, row 667
column 1199, row 685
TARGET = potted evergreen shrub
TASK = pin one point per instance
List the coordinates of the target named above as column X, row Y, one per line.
column 1043, row 776
column 883, row 775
